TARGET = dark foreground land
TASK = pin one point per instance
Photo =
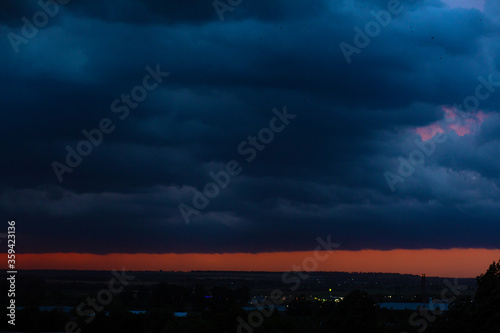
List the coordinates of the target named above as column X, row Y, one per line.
column 103, row 301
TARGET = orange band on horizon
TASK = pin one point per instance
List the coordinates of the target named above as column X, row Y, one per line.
column 445, row 263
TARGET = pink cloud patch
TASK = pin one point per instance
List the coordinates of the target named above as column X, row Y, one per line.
column 462, row 124
column 428, row 132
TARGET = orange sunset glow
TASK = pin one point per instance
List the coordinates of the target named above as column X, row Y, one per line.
column 445, row 263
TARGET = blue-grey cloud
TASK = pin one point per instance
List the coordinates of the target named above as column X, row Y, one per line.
column 323, row 174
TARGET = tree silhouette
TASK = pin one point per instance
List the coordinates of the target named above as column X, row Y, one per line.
column 481, row 315
column 486, row 315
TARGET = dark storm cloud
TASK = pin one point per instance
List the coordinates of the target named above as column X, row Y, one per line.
column 147, row 12
column 322, row 175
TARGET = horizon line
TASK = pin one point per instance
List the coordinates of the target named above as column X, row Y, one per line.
column 463, row 263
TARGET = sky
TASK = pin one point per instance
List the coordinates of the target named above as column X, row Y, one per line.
column 146, row 130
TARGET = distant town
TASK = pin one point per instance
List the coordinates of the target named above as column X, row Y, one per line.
column 87, row 301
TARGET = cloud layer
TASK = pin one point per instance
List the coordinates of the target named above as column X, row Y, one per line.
column 323, row 174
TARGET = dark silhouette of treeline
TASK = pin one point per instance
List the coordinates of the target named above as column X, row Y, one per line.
column 480, row 314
